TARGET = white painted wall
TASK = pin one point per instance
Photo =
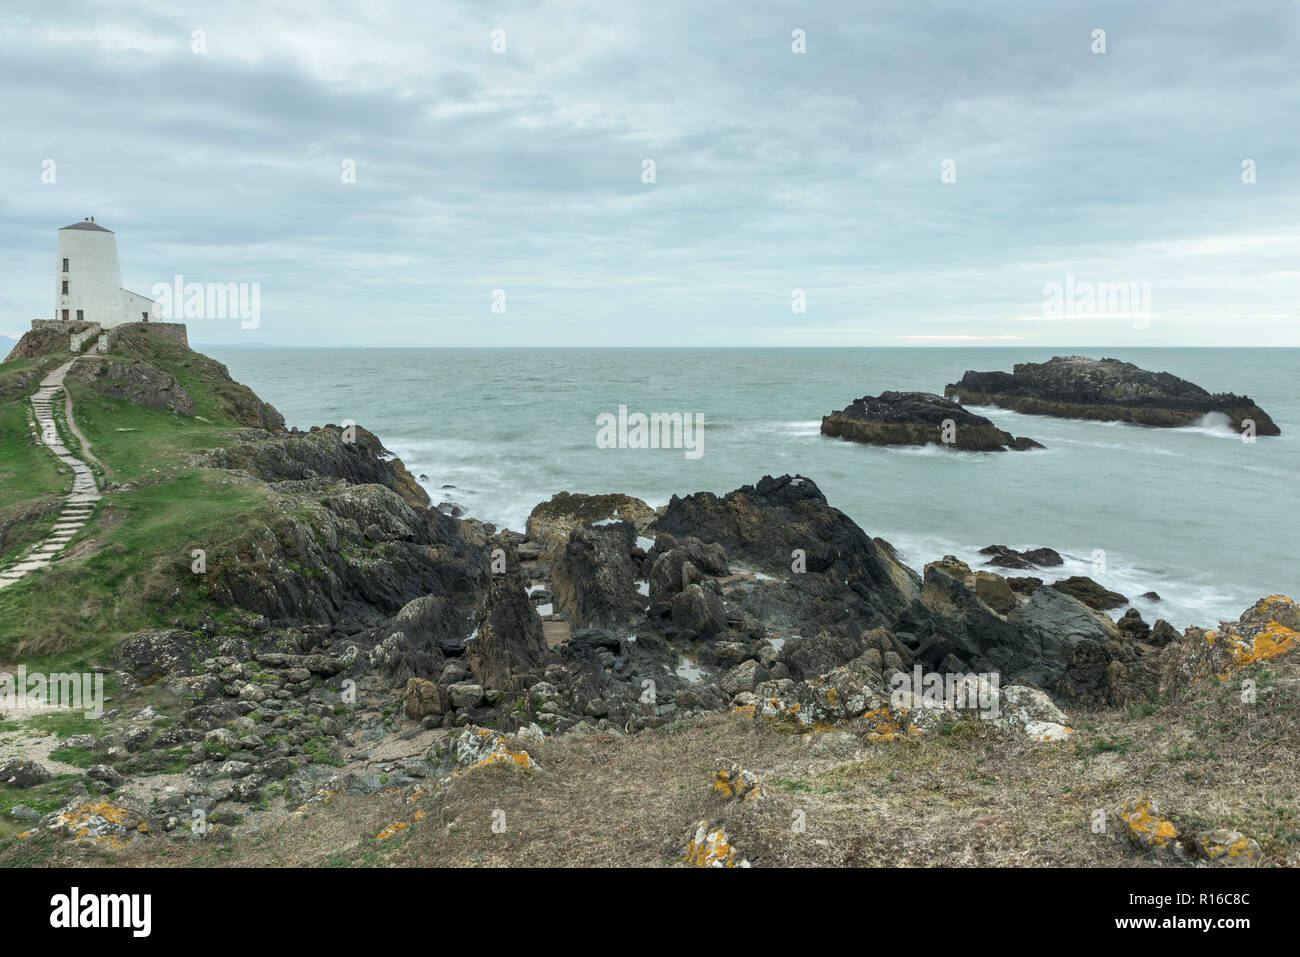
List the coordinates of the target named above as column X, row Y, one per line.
column 94, row 279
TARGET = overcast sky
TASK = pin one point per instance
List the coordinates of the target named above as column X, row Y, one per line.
column 775, row 171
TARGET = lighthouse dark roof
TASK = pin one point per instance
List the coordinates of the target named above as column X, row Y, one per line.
column 88, row 225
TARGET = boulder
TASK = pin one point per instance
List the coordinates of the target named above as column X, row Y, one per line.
column 1090, row 593
column 424, row 698
column 994, row 591
column 744, row 677
column 20, row 773
column 1162, row 633
column 550, row 523
column 697, row 611
column 1132, row 625
column 106, row 775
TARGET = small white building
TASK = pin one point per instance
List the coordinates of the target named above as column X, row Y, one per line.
column 88, row 279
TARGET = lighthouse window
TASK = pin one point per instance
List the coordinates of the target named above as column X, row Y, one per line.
column 65, row 265
column 65, row 287
column 81, row 314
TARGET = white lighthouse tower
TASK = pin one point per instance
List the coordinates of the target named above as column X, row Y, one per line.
column 88, row 279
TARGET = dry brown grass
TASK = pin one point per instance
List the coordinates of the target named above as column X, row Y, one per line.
column 973, row 796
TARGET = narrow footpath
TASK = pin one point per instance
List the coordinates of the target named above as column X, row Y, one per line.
column 79, row 504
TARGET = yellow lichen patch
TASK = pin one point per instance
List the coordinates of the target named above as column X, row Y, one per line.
column 101, row 823
column 505, row 756
column 1145, row 827
column 1228, row 847
column 882, row 725
column 739, row 784
column 1274, row 640
column 710, row 848
column 392, row 830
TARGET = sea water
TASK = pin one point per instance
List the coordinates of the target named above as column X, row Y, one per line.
column 1207, row 521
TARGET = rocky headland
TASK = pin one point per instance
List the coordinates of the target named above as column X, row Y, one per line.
column 1077, row 387
column 919, row 418
column 345, row 652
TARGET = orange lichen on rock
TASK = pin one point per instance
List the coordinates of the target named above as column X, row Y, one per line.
column 1227, row 847
column 505, row 755
column 1268, row 629
column 1145, row 829
column 1274, row 640
column 736, row 783
column 482, row 747
column 884, row 724
column 392, row 830
column 102, row 823
column 710, row 848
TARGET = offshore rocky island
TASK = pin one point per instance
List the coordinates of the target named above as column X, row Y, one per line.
column 1071, row 387
column 309, row 659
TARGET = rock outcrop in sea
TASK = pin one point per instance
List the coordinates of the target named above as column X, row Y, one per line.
column 1077, row 387
column 919, row 418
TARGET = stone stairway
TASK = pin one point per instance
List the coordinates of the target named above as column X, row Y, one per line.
column 78, row 505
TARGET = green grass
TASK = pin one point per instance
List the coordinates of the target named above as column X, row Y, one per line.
column 127, row 584
column 134, row 441
column 27, row 470
column 43, row 798
column 20, row 378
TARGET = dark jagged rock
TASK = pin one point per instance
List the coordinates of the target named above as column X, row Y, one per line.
column 509, row 649
column 697, row 611
column 594, row 578
column 919, row 418
column 322, row 452
column 134, row 380
column 1077, row 387
column 950, row 628
column 354, row 552
column 808, row 658
column 429, row 622
column 672, row 570
column 1004, row 556
column 1105, row 674
column 765, row 525
column 1133, row 626
column 1093, row 595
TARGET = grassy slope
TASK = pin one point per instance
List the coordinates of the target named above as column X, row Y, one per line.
column 27, row 470
column 119, row 574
